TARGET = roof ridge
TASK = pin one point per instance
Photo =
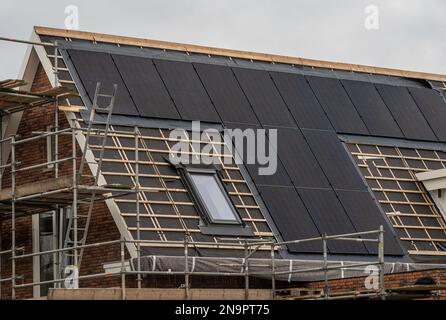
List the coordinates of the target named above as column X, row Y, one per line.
column 273, row 58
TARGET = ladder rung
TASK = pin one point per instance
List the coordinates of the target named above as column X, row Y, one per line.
column 104, row 95
column 66, row 81
column 101, row 108
column 78, row 229
column 52, row 56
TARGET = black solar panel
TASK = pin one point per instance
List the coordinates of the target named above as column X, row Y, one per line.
column 146, row 87
column 186, row 90
column 226, row 93
column 334, row 160
column 433, row 107
column 298, row 159
column 366, row 216
column 406, row 112
column 264, row 97
column 337, row 105
column 93, row 67
column 291, row 217
column 372, row 109
column 280, row 178
column 301, row 101
column 330, row 218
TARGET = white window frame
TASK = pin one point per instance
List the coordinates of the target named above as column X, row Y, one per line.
column 201, row 203
column 36, row 248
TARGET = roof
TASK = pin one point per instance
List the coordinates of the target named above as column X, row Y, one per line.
column 349, row 143
column 174, row 46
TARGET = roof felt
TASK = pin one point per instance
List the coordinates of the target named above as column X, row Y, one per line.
column 317, row 187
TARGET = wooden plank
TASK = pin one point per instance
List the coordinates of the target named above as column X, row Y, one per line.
column 156, row 294
column 37, row 187
column 97, row 37
column 71, row 108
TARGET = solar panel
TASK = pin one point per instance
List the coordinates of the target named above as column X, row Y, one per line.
column 337, row 105
column 226, row 93
column 406, row 112
column 334, row 160
column 366, row 216
column 279, row 178
column 186, row 90
column 291, row 217
column 93, row 67
column 301, row 101
column 372, row 109
column 433, row 107
column 330, row 218
column 146, row 87
column 264, row 97
column 299, row 160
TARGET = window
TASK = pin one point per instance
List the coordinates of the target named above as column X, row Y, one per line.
column 219, row 215
column 49, row 230
column 46, row 243
column 44, row 240
column 213, row 197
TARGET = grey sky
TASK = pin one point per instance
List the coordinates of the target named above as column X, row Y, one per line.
column 411, row 33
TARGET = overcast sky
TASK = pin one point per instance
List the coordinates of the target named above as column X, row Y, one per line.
column 411, row 33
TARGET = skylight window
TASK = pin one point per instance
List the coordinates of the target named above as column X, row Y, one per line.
column 218, row 213
column 213, row 197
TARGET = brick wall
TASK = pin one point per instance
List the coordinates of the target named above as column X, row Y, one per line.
column 102, row 227
column 390, row 280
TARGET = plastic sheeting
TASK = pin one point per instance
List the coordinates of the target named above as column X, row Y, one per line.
column 261, row 268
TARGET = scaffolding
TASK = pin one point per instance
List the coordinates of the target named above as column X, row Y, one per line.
column 71, row 190
column 24, row 202
column 250, row 247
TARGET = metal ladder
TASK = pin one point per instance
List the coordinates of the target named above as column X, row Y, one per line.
column 78, row 224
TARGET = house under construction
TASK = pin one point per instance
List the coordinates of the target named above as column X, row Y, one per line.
column 92, row 205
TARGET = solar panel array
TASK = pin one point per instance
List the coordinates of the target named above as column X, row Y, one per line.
column 317, row 188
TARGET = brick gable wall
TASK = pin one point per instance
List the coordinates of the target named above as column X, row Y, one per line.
column 102, row 227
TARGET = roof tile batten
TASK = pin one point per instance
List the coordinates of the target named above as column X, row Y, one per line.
column 98, row 37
